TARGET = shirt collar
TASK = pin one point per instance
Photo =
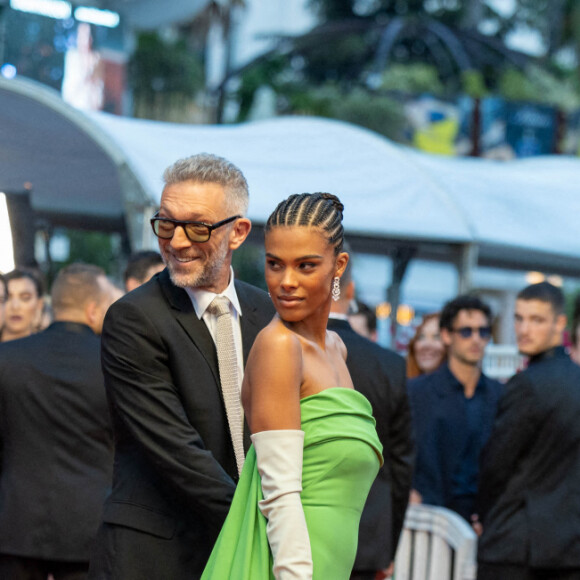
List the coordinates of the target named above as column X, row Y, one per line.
column 201, row 299
column 554, row 352
column 453, row 383
column 337, row 316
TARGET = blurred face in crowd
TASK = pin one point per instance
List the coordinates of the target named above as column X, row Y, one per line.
column 23, row 308
column 151, row 271
column 538, row 328
column 467, row 339
column 360, row 325
column 200, row 264
column 429, row 348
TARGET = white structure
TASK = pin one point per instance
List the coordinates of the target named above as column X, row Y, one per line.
column 470, row 214
column 436, row 544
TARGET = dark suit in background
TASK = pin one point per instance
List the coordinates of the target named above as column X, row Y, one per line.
column 57, row 450
column 175, row 469
column 379, row 374
column 529, row 500
column 445, row 438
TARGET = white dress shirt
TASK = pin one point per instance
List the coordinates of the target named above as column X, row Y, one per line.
column 201, row 299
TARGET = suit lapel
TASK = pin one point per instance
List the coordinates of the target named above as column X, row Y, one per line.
column 196, row 329
column 183, row 311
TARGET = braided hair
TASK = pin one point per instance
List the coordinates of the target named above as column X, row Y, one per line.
column 322, row 210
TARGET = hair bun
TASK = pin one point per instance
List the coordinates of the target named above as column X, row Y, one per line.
column 335, row 201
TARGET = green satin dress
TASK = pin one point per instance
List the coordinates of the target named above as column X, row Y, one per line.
column 342, row 456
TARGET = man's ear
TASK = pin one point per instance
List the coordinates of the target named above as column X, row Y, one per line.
column 91, row 311
column 561, row 322
column 239, row 232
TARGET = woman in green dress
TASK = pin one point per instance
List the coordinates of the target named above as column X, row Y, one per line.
column 315, row 451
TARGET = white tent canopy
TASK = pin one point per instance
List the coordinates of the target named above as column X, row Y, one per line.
column 518, row 214
column 377, row 181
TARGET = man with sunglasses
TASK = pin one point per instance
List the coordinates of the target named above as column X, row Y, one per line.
column 176, row 459
column 453, row 410
column 529, row 500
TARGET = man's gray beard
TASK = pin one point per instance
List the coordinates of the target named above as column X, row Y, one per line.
column 203, row 279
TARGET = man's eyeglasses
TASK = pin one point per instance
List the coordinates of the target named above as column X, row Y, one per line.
column 198, row 232
column 466, row 331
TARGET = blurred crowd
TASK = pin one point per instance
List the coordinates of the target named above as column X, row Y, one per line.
column 56, row 444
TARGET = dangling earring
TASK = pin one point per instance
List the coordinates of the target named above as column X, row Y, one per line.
column 336, row 288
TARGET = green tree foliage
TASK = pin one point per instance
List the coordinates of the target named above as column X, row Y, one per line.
column 97, row 248
column 379, row 113
column 265, row 73
column 163, row 75
column 412, row 78
column 537, row 85
column 341, row 9
column 248, row 263
column 159, row 65
column 342, row 69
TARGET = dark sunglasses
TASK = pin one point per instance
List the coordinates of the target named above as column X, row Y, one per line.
column 198, row 232
column 466, row 331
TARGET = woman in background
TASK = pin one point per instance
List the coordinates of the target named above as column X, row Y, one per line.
column 315, row 452
column 23, row 305
column 426, row 349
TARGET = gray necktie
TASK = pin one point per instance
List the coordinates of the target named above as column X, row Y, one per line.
column 229, row 375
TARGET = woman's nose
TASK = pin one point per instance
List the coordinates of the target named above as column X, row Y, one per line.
column 289, row 280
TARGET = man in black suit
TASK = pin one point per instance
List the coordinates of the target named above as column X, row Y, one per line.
column 529, row 503
column 379, row 374
column 55, row 434
column 175, row 465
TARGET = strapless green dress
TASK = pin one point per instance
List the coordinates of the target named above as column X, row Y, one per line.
column 342, row 456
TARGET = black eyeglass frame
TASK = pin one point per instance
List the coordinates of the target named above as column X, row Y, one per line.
column 210, row 227
column 466, row 331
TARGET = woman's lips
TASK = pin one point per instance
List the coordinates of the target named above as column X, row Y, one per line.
column 289, row 300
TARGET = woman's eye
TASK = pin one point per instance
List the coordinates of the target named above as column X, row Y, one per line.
column 272, row 264
column 307, row 265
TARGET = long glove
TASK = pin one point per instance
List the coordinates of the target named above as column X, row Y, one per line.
column 279, row 457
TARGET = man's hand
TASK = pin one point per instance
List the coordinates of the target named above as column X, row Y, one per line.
column 476, row 524
column 386, row 573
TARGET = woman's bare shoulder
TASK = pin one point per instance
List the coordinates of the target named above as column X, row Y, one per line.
column 277, row 338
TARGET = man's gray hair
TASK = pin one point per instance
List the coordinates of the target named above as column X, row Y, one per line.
column 207, row 168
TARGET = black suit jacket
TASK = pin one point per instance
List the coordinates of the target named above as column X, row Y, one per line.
column 175, row 468
column 380, row 375
column 530, row 470
column 57, row 443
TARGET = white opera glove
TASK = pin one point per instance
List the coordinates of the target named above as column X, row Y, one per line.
column 279, row 456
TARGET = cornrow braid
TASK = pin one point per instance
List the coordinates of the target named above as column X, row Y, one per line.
column 322, row 210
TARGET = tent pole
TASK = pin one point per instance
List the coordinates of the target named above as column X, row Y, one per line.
column 401, row 259
column 467, row 263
